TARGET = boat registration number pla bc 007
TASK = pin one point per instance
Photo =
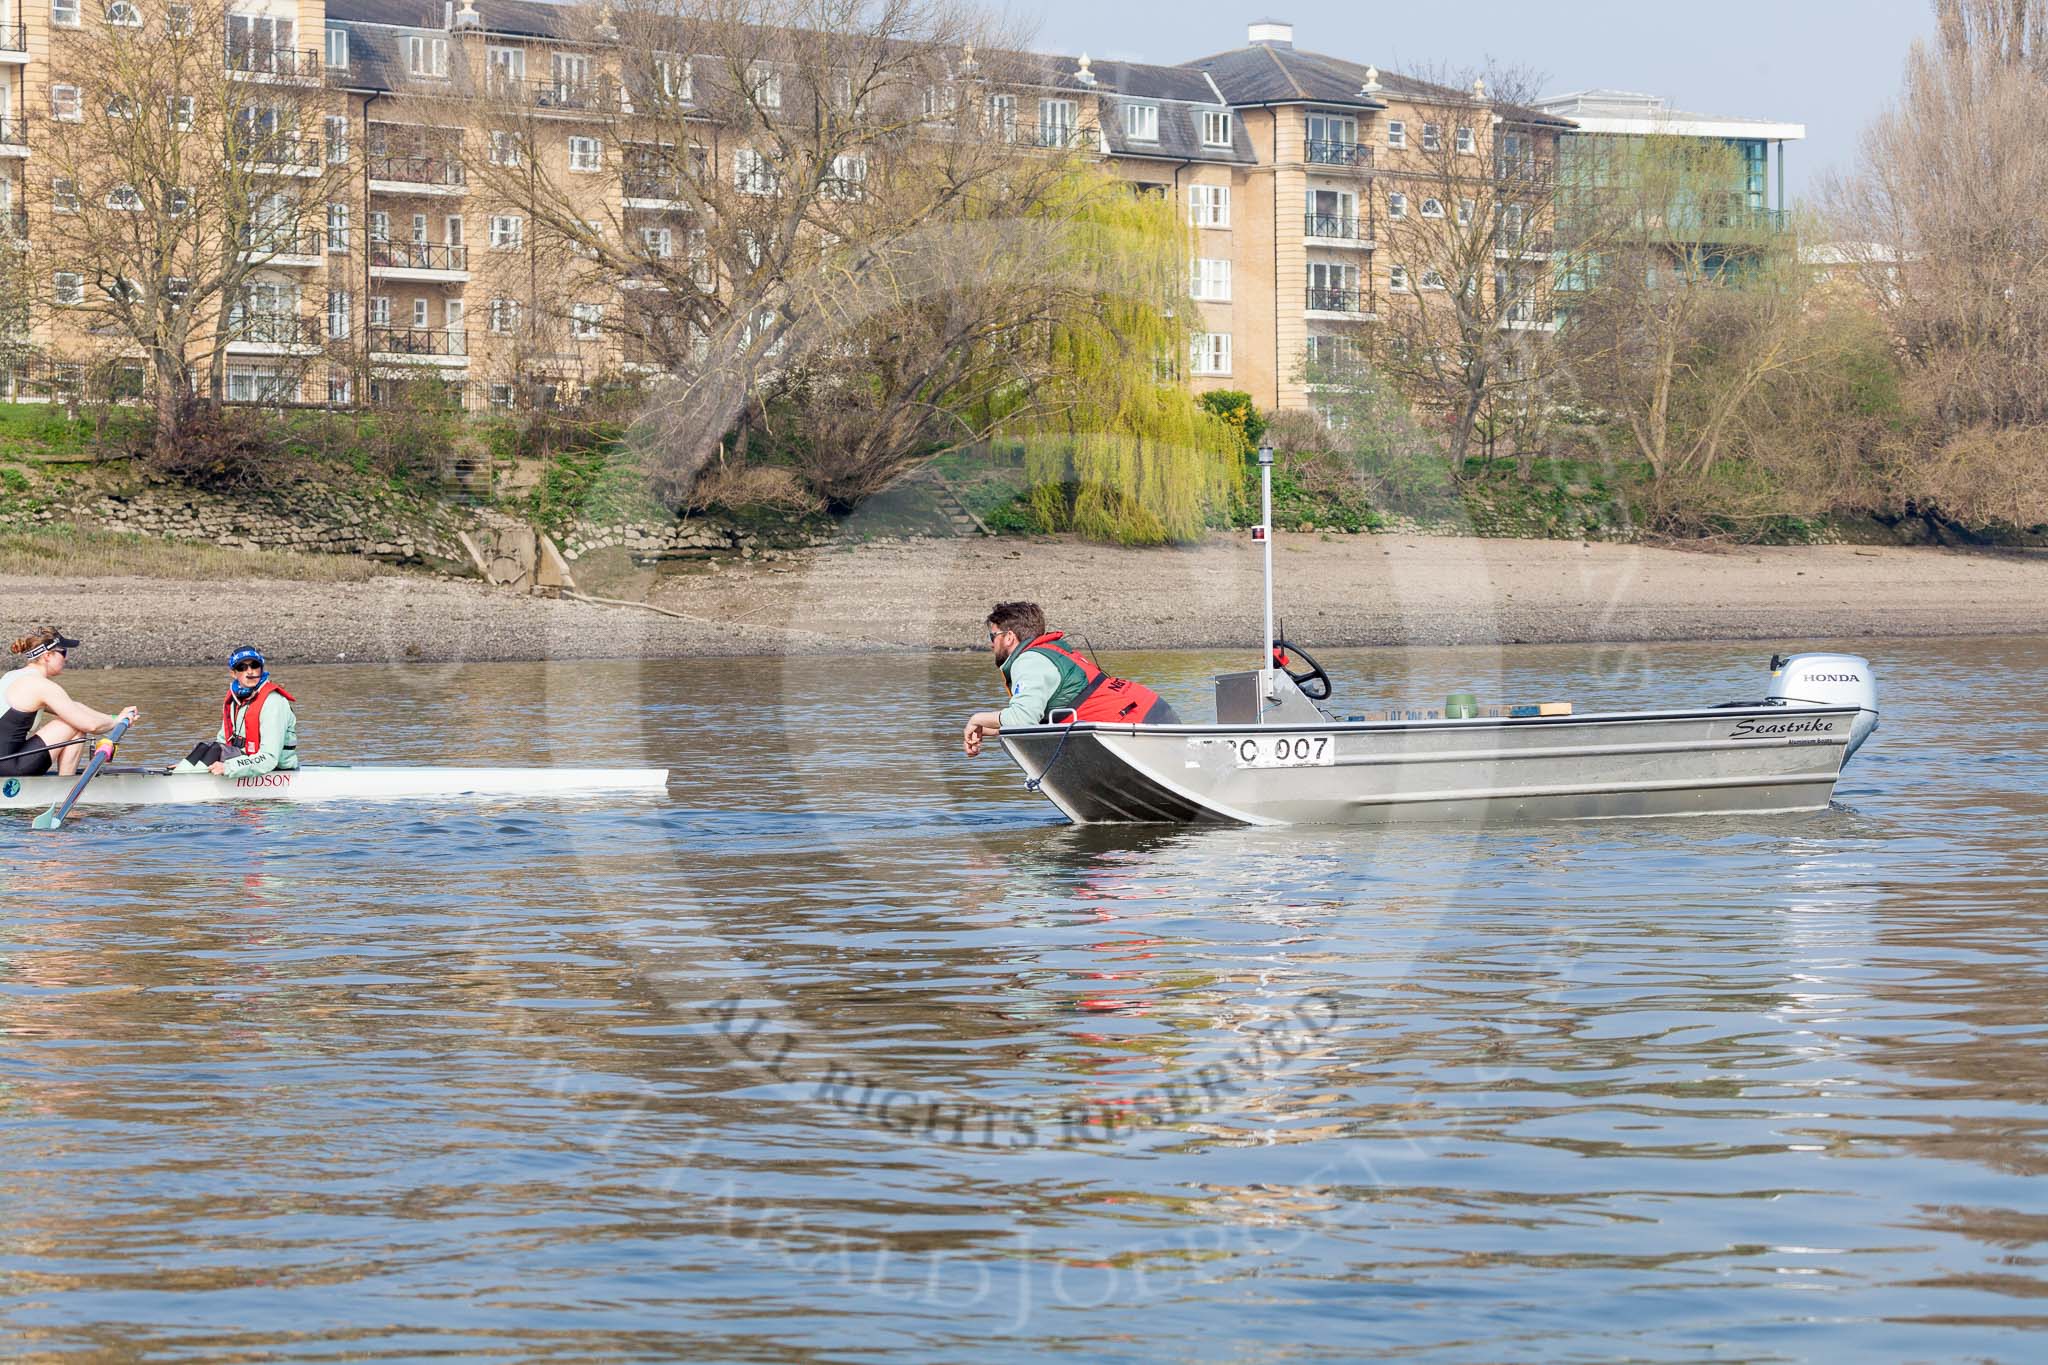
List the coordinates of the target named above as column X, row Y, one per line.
column 1286, row 751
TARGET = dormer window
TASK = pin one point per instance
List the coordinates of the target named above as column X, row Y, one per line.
column 337, row 49
column 1141, row 122
column 1216, row 128
column 676, row 78
column 765, row 84
column 426, row 56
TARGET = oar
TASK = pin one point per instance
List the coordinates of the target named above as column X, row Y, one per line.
column 104, row 750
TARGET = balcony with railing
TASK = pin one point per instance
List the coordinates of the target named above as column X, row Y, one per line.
column 428, row 174
column 14, row 42
column 13, row 134
column 429, row 345
column 420, row 260
column 1332, row 152
column 1334, row 299
column 1528, row 316
column 285, row 246
column 652, row 186
column 267, row 333
column 1070, row 136
column 284, row 153
column 599, row 96
column 1527, row 242
column 1338, row 229
column 274, row 63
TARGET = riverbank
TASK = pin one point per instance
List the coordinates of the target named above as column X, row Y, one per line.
column 926, row 594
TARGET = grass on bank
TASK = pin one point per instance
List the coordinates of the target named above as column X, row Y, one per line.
column 70, row 552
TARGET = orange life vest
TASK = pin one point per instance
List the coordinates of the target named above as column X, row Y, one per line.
column 1116, row 701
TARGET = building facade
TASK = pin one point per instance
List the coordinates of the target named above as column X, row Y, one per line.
column 1310, row 184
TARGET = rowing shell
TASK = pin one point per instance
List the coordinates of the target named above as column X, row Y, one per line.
column 336, row 782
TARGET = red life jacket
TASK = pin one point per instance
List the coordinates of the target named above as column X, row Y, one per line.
column 1116, row 701
column 252, row 709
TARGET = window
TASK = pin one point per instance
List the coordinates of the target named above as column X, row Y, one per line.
column 1432, row 279
column 1466, row 142
column 1056, row 120
column 1212, row 353
column 337, row 48
column 658, row 241
column 261, row 386
column 765, row 84
column 419, row 228
column 1002, row 117
column 586, row 320
column 1432, row 208
column 585, row 154
column 842, row 94
column 380, row 225
column 1141, row 122
column 1397, row 133
column 125, row 198
column 339, row 303
column 504, row 149
column 181, row 111
column 337, row 229
column 66, row 105
column 507, row 66
column 1397, row 204
column 120, row 106
column 591, row 244
column 178, row 288
column 419, row 313
column 753, row 174
column 508, row 231
column 1216, row 133
column 1432, row 137
column 1397, row 279
column 1210, row 280
column 380, row 310
column 1209, row 206
column 501, row 396
column 1466, row 208
column 178, row 20
column 426, row 56
column 124, row 14
column 64, row 194
column 338, row 389
column 64, row 12
column 676, row 79
column 940, row 101
column 504, row 316
column 337, row 139
column 849, row 176
column 68, row 288
column 178, row 201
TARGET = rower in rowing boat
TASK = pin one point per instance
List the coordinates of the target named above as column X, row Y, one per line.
column 259, row 730
column 31, row 690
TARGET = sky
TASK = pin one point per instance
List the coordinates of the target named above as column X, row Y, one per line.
column 1829, row 64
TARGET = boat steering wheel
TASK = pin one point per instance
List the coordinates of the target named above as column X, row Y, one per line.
column 1313, row 682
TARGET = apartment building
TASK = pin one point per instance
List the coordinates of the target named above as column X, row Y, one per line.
column 1299, row 174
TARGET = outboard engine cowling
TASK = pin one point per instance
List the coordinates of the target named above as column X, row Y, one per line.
column 1829, row 680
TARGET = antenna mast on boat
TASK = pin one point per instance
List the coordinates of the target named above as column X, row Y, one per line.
column 1264, row 532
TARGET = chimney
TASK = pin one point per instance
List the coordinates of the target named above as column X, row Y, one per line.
column 1271, row 33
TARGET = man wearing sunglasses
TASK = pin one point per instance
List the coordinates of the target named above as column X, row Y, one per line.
column 259, row 730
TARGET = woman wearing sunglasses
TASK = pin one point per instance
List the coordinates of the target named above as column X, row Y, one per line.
column 259, row 730
column 31, row 690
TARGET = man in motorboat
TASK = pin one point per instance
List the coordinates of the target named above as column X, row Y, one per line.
column 1049, row 682
column 259, row 730
column 32, row 690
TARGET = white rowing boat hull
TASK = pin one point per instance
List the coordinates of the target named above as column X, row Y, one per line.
column 336, row 782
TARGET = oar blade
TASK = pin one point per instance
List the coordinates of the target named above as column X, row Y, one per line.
column 49, row 819
column 54, row 816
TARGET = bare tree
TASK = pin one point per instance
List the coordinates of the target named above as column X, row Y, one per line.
column 1468, row 229
column 1692, row 302
column 813, row 199
column 182, row 159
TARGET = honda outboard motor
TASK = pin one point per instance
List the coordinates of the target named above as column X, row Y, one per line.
column 1829, row 680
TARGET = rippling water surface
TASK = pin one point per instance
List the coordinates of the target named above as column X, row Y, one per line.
column 850, row 1050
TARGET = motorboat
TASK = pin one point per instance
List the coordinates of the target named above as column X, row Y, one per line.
column 329, row 782
column 1274, row 756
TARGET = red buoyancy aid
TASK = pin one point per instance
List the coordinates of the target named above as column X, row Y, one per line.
column 1103, row 698
column 252, row 709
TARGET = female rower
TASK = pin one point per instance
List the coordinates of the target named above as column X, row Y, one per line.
column 32, row 689
column 259, row 730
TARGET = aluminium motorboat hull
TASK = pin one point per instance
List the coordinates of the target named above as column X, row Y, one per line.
column 1764, row 759
column 329, row 782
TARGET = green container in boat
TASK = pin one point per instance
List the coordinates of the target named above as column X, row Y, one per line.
column 1461, row 706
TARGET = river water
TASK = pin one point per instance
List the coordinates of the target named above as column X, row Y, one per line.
column 850, row 1050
